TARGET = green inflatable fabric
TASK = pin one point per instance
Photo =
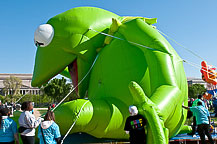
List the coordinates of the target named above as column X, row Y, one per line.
column 136, row 67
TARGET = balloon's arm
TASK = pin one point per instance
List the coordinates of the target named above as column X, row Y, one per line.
column 161, row 64
column 165, row 91
column 148, row 109
column 185, row 129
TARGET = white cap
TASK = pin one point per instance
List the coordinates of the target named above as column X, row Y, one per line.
column 133, row 110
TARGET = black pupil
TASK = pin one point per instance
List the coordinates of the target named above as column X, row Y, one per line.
column 38, row 43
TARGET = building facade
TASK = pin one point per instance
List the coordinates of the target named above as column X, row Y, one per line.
column 27, row 79
column 192, row 81
column 26, row 84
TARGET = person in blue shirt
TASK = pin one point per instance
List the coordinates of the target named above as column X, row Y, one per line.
column 199, row 98
column 8, row 128
column 202, row 121
column 48, row 131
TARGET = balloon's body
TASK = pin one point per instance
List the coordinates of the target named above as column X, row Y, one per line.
column 149, row 75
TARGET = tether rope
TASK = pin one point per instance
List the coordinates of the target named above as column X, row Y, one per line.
column 69, row 94
column 123, row 40
column 180, row 45
column 22, row 97
column 155, row 49
column 183, row 46
column 76, row 85
column 196, row 65
column 73, row 123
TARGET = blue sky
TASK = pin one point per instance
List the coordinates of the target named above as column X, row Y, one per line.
column 192, row 23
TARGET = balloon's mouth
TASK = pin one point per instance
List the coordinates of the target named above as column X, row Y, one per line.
column 73, row 70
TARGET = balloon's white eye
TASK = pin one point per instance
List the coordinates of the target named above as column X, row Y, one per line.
column 43, row 35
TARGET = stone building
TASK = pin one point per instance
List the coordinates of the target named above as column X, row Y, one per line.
column 192, row 80
column 26, row 84
column 27, row 88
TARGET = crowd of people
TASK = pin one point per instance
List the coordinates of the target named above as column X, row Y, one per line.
column 135, row 123
column 48, row 130
column 49, row 133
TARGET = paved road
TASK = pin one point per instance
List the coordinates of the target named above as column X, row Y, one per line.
column 37, row 113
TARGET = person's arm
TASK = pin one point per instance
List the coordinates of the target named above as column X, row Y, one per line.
column 185, row 107
column 127, row 132
column 32, row 122
column 16, row 137
column 57, row 135
column 127, row 127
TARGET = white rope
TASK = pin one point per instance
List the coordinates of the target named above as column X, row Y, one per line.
column 76, row 85
column 181, row 45
column 22, row 97
column 195, row 65
column 73, row 123
column 124, row 40
column 155, row 49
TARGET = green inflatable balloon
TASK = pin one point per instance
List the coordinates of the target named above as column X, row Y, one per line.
column 135, row 67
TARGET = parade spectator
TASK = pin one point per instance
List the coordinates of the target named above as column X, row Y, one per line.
column 190, row 103
column 53, row 105
column 49, row 108
column 48, row 132
column 8, row 128
column 135, row 126
column 1, row 105
column 28, row 123
column 202, row 121
column 199, row 98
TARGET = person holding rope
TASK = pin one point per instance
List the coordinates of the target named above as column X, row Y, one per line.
column 28, row 123
column 202, row 121
column 48, row 132
column 195, row 103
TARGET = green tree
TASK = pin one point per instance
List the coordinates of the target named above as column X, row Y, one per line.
column 12, row 86
column 195, row 89
column 57, row 89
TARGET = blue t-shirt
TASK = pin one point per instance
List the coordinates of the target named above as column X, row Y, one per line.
column 49, row 134
column 201, row 114
column 7, row 130
column 196, row 101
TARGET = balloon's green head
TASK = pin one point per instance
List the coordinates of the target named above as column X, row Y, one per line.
column 66, row 44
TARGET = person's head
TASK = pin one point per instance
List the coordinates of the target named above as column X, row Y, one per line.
column 49, row 116
column 27, row 106
column 49, row 107
column 199, row 96
column 133, row 110
column 4, row 112
column 199, row 103
column 205, row 93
